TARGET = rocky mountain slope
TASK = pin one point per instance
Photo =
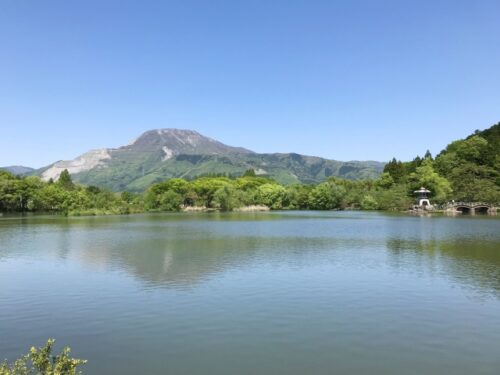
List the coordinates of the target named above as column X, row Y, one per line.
column 165, row 153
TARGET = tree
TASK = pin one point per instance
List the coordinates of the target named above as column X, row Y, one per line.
column 251, row 183
column 411, row 167
column 385, row 180
column 472, row 149
column 394, row 199
column 298, row 196
column 225, row 198
column 91, row 189
column 326, row 196
column 127, row 196
column 10, row 194
column 249, row 173
column 206, row 187
column 369, row 203
column 271, row 195
column 472, row 182
column 170, row 201
column 29, row 188
column 396, row 170
column 65, row 180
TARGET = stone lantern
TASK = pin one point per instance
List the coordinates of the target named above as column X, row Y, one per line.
column 422, row 199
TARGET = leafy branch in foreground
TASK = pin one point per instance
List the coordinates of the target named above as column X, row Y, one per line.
column 40, row 361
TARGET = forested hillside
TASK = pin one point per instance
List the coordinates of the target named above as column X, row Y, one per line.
column 467, row 170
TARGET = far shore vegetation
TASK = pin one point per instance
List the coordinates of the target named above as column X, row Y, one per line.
column 467, row 170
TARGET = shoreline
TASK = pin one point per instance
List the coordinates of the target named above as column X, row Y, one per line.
column 244, row 209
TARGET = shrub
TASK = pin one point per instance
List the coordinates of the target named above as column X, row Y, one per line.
column 41, row 362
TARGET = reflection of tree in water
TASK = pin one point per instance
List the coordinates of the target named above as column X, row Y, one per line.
column 471, row 262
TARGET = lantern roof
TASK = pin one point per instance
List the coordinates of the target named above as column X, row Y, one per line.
column 422, row 190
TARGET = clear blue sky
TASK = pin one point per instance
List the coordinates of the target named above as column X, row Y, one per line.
column 339, row 79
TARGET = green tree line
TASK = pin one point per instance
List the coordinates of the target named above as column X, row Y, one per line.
column 31, row 194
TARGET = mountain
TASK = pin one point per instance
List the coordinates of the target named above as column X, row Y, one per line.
column 17, row 169
column 165, row 153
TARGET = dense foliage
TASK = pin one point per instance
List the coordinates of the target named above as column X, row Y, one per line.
column 41, row 362
column 33, row 194
column 221, row 193
column 467, row 170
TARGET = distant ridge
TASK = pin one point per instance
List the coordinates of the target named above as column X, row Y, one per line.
column 17, row 169
column 165, row 153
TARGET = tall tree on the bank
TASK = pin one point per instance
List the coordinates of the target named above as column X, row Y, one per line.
column 396, row 170
column 65, row 180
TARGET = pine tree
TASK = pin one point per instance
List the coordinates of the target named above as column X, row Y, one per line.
column 249, row 173
column 396, row 169
column 65, row 180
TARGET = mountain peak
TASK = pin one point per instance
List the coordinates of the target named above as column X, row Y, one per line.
column 157, row 145
column 173, row 132
column 158, row 154
column 182, row 141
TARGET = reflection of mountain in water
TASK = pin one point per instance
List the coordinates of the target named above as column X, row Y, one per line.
column 181, row 262
column 178, row 251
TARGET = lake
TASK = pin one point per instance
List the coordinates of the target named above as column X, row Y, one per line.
column 255, row 293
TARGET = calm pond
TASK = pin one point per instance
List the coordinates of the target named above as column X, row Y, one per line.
column 255, row 293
